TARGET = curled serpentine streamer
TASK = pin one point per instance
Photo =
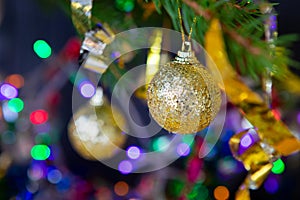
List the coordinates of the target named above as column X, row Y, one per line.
column 275, row 139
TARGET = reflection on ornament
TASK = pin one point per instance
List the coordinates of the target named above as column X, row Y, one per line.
column 183, row 97
column 94, row 133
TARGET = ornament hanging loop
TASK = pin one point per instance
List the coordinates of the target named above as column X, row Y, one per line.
column 181, row 26
column 186, row 46
column 186, row 55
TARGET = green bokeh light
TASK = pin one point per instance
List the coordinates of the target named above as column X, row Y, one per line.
column 42, row 49
column 40, row 152
column 278, row 166
column 8, row 137
column 125, row 5
column 174, row 188
column 16, row 105
column 160, row 144
column 199, row 192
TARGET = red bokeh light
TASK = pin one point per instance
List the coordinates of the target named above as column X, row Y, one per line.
column 38, row 117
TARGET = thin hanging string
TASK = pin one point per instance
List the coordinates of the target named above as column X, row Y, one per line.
column 181, row 24
column 191, row 29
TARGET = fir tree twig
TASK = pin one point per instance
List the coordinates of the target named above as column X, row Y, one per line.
column 245, row 42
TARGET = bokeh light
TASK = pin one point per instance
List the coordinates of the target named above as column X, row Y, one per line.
column 227, row 165
column 40, row 152
column 35, row 172
column 221, row 193
column 16, row 80
column 160, row 144
column 271, row 185
column 125, row 5
column 174, row 187
column 54, row 176
column 38, row 117
column 8, row 137
column 183, row 149
column 199, row 192
column 9, row 115
column 87, row 89
column 133, row 152
column 16, row 104
column 278, row 166
column 125, row 167
column 121, row 188
column 32, row 186
column 42, row 49
column 8, row 91
column 103, row 193
column 246, row 141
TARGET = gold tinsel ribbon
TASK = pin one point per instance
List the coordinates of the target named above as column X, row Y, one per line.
column 95, row 40
column 81, row 15
column 275, row 138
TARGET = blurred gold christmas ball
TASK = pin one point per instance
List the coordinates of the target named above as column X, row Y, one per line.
column 183, row 97
column 94, row 133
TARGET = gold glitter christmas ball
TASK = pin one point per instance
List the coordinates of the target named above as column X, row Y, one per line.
column 183, row 97
column 94, row 133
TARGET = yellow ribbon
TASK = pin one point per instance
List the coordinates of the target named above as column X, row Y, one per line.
column 274, row 133
column 153, row 61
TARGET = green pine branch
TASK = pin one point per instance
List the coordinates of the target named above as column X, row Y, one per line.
column 242, row 24
column 243, row 30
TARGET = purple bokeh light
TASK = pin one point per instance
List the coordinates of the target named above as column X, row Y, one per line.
column 183, row 149
column 273, row 23
column 133, row 152
column 248, row 140
column 125, row 167
column 36, row 172
column 8, row 91
column 87, row 89
column 271, row 185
